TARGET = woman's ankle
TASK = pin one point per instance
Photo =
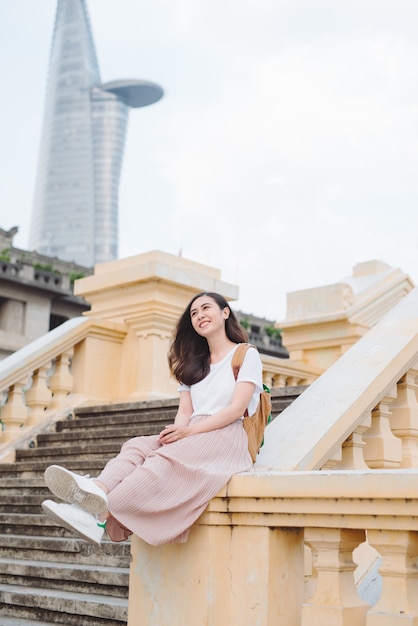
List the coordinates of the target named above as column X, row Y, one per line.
column 101, row 485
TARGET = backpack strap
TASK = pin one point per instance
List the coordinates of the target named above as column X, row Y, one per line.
column 238, row 357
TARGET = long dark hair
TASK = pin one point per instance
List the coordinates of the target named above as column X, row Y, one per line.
column 188, row 357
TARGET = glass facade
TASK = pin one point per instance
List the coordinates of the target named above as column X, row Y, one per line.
column 75, row 213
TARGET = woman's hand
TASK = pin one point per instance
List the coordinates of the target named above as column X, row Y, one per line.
column 173, row 433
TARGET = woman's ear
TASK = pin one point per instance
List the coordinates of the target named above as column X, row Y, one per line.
column 226, row 312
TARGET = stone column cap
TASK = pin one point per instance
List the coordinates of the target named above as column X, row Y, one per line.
column 155, row 265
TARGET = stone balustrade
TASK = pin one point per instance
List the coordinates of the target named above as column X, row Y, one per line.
column 245, row 561
column 36, row 378
column 279, row 372
column 279, row 547
column 335, row 483
column 55, row 373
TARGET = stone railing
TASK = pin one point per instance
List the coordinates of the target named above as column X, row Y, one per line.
column 362, row 412
column 279, row 372
column 333, row 513
column 324, row 530
column 247, row 559
column 40, row 382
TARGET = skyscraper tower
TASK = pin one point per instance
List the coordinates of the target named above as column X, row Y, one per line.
column 75, row 212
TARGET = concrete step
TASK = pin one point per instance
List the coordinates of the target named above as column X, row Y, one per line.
column 98, row 417
column 106, row 433
column 13, row 483
column 30, row 524
column 64, row 549
column 19, row 502
column 83, row 449
column 148, row 408
column 66, row 607
column 157, row 411
column 282, row 397
column 36, row 469
column 110, row 440
column 21, row 621
column 95, row 579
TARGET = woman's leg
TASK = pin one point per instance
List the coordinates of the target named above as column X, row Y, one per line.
column 85, row 508
column 132, row 454
column 91, row 493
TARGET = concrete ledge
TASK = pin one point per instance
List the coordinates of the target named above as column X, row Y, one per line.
column 379, row 499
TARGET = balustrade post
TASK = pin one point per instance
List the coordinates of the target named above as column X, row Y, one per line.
column 38, row 396
column 334, row 460
column 280, row 380
column 353, row 448
column 398, row 603
column 268, row 378
column 383, row 449
column 335, row 601
column 61, row 381
column 148, row 374
column 404, row 419
column 14, row 413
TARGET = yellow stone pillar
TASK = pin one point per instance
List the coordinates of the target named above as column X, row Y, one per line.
column 322, row 323
column 223, row 575
column 145, row 295
column 404, row 417
column 382, row 448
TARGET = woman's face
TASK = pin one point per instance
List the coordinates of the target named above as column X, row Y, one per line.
column 206, row 316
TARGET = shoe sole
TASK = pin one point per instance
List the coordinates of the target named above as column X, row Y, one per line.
column 62, row 484
column 63, row 522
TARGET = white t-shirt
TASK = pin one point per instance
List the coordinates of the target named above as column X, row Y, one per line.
column 215, row 391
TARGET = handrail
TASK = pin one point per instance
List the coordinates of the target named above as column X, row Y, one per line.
column 37, row 382
column 281, row 372
column 35, row 354
column 31, row 356
column 318, row 422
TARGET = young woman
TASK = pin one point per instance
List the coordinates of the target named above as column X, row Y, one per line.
column 159, row 485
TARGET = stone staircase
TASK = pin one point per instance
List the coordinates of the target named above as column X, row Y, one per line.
column 48, row 576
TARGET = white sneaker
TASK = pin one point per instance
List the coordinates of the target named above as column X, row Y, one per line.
column 75, row 519
column 76, row 489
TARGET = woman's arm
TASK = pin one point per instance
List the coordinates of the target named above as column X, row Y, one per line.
column 235, row 409
column 185, row 410
column 184, row 413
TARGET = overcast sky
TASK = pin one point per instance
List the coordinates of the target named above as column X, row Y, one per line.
column 284, row 151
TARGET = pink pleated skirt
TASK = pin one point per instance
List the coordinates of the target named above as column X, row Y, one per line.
column 158, row 491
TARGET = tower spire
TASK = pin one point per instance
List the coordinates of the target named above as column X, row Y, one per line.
column 75, row 212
